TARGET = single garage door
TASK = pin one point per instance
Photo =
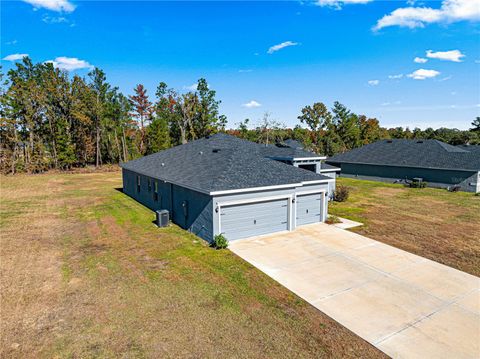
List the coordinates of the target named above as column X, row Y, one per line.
column 253, row 219
column 309, row 208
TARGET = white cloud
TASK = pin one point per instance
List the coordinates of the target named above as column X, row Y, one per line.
column 445, row 78
column 192, row 87
column 13, row 42
column 14, row 57
column 337, row 4
column 452, row 55
column 423, row 74
column 477, row 61
column 385, row 104
column 70, row 63
column 277, row 47
column 252, row 104
column 245, row 70
column 450, row 11
column 54, row 20
column 395, row 77
column 54, row 5
column 420, row 60
column 373, row 82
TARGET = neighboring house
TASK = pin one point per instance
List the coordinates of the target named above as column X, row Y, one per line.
column 223, row 184
column 437, row 163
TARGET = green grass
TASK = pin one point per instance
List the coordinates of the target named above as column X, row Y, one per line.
column 434, row 223
column 85, row 273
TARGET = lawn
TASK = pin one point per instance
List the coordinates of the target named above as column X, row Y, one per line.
column 434, row 223
column 85, row 273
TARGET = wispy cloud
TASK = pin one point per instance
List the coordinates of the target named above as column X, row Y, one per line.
column 395, row 77
column 283, row 45
column 69, row 63
column 445, row 78
column 420, row 60
column 13, row 42
column 252, row 104
column 452, row 55
column 338, row 4
column 422, row 74
column 192, row 87
column 14, row 57
column 54, row 19
column 373, row 82
column 449, row 11
column 53, row 5
column 245, row 70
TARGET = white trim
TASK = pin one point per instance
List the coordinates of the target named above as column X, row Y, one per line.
column 330, row 170
column 323, row 210
column 318, row 181
column 287, row 197
column 309, row 158
column 255, row 189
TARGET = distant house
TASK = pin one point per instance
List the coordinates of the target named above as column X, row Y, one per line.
column 223, row 184
column 437, row 163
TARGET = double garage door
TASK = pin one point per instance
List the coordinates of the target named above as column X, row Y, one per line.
column 253, row 219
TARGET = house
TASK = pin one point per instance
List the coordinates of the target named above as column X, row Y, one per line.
column 438, row 163
column 223, row 184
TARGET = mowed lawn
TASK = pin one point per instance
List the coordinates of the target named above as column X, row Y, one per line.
column 434, row 223
column 85, row 273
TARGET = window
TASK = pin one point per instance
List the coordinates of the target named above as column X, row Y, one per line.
column 138, row 183
column 155, row 191
column 149, row 185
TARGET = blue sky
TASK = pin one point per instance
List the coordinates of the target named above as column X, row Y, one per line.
column 270, row 56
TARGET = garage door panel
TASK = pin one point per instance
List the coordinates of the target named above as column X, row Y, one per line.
column 309, row 208
column 251, row 219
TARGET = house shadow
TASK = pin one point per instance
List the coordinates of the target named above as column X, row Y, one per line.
column 119, row 189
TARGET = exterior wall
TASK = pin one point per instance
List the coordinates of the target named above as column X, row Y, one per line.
column 331, row 185
column 198, row 216
column 433, row 177
column 265, row 194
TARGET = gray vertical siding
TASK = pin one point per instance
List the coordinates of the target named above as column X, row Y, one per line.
column 198, row 219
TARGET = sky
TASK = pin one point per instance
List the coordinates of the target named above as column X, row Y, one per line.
column 406, row 63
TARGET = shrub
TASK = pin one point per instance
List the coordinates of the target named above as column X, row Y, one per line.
column 418, row 184
column 341, row 194
column 454, row 188
column 333, row 219
column 220, row 242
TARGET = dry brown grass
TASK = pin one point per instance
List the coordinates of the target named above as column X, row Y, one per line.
column 84, row 273
column 433, row 223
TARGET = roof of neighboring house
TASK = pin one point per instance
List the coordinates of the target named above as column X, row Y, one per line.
column 293, row 144
column 220, row 163
column 290, row 153
column 470, row 148
column 411, row 153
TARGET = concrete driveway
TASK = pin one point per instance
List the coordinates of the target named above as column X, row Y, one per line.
column 405, row 305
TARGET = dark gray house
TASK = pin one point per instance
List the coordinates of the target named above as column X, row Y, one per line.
column 223, row 184
column 439, row 164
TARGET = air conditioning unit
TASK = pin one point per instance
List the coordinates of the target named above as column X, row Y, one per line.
column 163, row 217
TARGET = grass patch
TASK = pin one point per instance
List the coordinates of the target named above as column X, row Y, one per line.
column 434, row 223
column 86, row 274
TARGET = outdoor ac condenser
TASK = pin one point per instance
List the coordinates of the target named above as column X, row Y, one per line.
column 162, row 218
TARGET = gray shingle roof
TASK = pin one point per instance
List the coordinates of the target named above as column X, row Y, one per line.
column 293, row 144
column 470, row 148
column 275, row 151
column 218, row 163
column 411, row 153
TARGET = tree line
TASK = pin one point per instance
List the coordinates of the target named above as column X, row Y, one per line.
column 51, row 120
column 336, row 130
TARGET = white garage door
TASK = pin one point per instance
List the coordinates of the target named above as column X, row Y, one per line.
column 252, row 219
column 309, row 208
